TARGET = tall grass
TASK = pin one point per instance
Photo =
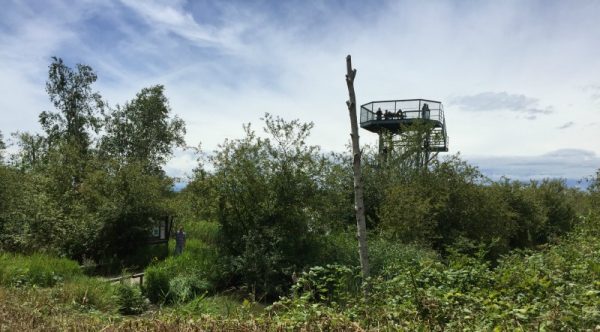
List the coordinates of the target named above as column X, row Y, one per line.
column 87, row 294
column 37, row 269
column 204, row 231
column 179, row 279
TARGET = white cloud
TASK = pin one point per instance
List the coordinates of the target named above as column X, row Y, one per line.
column 182, row 164
column 501, row 101
column 170, row 16
column 594, row 91
column 572, row 164
column 251, row 59
column 567, row 125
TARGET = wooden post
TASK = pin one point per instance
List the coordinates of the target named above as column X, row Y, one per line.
column 359, row 206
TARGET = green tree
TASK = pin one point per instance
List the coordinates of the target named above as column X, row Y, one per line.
column 443, row 203
column 594, row 191
column 143, row 130
column 77, row 105
column 32, row 152
column 266, row 190
column 556, row 200
column 526, row 216
column 197, row 201
column 30, row 219
column 2, row 148
column 69, row 129
column 126, row 199
column 335, row 204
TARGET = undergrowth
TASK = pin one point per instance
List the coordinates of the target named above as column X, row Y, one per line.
column 36, row 270
column 552, row 288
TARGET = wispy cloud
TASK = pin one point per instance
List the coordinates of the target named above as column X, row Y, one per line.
column 563, row 163
column 172, row 17
column 502, row 101
column 567, row 125
column 226, row 63
column 593, row 91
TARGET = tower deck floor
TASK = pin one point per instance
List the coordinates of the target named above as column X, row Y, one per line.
column 396, row 125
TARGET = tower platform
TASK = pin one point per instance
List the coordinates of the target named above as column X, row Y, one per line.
column 399, row 116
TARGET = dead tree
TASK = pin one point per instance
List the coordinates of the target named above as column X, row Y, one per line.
column 359, row 206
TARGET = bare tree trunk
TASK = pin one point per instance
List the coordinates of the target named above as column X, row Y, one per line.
column 359, row 206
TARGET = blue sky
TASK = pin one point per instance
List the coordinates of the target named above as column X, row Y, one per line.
column 519, row 79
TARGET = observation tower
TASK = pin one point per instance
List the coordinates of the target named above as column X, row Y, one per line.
column 417, row 125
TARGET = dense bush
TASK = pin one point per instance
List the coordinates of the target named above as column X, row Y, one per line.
column 265, row 189
column 126, row 203
column 175, row 281
column 331, row 285
column 89, row 186
column 156, row 284
column 556, row 288
column 451, row 200
column 130, row 300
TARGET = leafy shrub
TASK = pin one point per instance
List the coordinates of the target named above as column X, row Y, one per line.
column 554, row 289
column 179, row 279
column 386, row 255
column 265, row 189
column 336, row 248
column 185, row 288
column 331, row 284
column 156, row 284
column 130, row 300
column 558, row 206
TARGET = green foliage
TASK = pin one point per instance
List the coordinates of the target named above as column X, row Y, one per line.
column 331, row 285
column 30, row 219
column 197, row 201
column 78, row 106
column 126, row 198
column 32, row 153
column 408, row 214
column 142, row 130
column 36, row 270
column 556, row 288
column 163, row 285
column 206, row 232
column 452, row 200
column 156, row 284
column 282, row 211
column 334, row 206
column 2, row 148
column 218, row 306
column 179, row 279
column 339, row 247
column 87, row 294
column 264, row 191
column 68, row 197
column 386, row 255
column 558, row 205
column 130, row 300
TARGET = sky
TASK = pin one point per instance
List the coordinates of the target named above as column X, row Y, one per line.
column 519, row 80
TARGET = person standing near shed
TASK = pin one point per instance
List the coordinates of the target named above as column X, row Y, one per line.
column 179, row 241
